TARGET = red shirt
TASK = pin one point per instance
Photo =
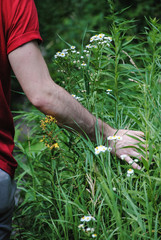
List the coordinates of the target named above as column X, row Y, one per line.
column 18, row 25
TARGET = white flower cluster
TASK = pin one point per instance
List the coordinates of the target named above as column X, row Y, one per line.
column 97, row 39
column 65, row 52
column 89, row 46
column 61, row 54
column 87, row 219
column 84, row 227
column 102, row 148
column 114, row 137
column 101, row 39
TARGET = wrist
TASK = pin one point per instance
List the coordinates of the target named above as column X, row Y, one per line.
column 105, row 129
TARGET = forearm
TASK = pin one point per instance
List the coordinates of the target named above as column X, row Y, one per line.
column 70, row 114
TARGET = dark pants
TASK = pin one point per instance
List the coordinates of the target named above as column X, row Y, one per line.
column 7, row 192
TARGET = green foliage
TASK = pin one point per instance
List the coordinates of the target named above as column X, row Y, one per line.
column 61, row 185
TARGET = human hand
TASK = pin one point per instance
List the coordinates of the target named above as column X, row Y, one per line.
column 125, row 145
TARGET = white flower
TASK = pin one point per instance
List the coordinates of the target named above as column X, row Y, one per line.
column 97, row 37
column 130, row 172
column 114, row 189
column 72, row 47
column 131, row 161
column 62, row 54
column 101, row 43
column 94, row 38
column 81, row 226
column 109, row 149
column 123, row 156
column 99, row 149
column 87, row 218
column 94, row 46
column 119, row 138
column 108, row 38
column 74, row 51
column 88, row 46
column 77, row 98
column 83, row 64
column 94, row 235
column 100, row 36
column 65, row 50
column 78, row 52
column 89, row 229
column 57, row 54
column 87, row 55
column 81, row 57
column 114, row 137
column 108, row 91
column 136, row 160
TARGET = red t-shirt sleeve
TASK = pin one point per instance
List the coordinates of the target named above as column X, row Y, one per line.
column 22, row 24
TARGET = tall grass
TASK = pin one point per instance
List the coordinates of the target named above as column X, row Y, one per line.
column 60, row 185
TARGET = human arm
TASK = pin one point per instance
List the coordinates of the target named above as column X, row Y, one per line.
column 51, row 99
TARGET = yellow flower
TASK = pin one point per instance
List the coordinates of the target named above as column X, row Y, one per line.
column 55, row 145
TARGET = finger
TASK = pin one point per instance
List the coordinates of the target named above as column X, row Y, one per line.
column 140, row 133
column 137, row 133
column 130, row 161
column 140, row 154
column 136, row 155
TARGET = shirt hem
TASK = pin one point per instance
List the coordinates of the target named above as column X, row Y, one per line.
column 8, row 169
